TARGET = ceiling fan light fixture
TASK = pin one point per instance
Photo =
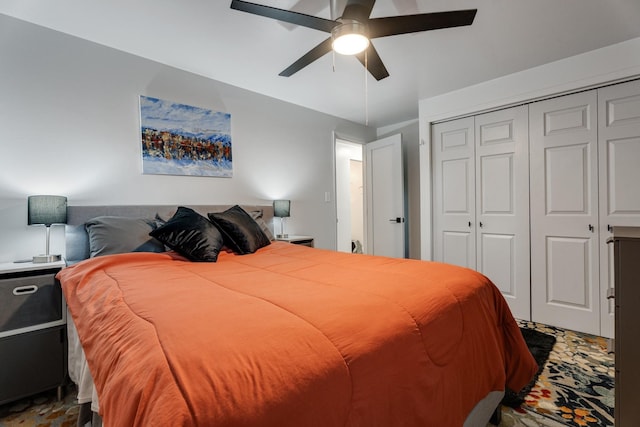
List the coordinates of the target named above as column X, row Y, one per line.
column 349, row 38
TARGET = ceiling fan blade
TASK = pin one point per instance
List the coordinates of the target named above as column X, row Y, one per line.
column 373, row 62
column 393, row 25
column 358, row 10
column 336, row 8
column 312, row 7
column 315, row 53
column 284, row 15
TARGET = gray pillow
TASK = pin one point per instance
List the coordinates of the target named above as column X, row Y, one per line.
column 115, row 235
column 257, row 217
column 77, row 244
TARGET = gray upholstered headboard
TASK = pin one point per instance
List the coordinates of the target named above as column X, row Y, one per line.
column 77, row 239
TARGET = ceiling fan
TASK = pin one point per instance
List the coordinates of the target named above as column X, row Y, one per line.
column 356, row 28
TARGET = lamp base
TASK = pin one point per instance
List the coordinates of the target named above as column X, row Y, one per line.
column 46, row 258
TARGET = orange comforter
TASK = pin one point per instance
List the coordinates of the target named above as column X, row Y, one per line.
column 291, row 336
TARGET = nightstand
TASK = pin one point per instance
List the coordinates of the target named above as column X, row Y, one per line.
column 297, row 240
column 33, row 338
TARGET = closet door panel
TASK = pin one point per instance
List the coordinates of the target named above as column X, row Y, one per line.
column 564, row 212
column 455, row 248
column 455, row 176
column 567, row 181
column 619, row 162
column 497, row 185
column 454, row 238
column 498, row 251
column 569, row 287
column 622, row 171
column 502, row 204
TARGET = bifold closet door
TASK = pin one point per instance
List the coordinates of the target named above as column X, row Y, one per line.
column 619, row 161
column 502, row 204
column 564, row 212
column 454, row 240
column 481, row 200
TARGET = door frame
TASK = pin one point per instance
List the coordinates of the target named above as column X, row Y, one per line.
column 366, row 195
column 339, row 140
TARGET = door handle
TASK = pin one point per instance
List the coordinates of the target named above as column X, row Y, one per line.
column 481, row 224
column 591, row 228
column 397, row 220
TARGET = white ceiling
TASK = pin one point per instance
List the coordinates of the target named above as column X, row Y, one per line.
column 206, row 37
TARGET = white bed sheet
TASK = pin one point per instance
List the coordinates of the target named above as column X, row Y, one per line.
column 79, row 369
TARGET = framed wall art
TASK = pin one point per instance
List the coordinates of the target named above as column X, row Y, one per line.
column 179, row 139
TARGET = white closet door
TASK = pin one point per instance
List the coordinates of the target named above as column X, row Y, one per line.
column 454, row 193
column 502, row 204
column 619, row 158
column 564, row 212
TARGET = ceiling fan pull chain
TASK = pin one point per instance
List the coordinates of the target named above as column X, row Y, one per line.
column 333, row 55
column 366, row 90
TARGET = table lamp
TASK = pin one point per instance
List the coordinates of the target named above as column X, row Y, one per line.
column 46, row 210
column 282, row 210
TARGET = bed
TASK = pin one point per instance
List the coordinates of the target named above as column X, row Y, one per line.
column 282, row 334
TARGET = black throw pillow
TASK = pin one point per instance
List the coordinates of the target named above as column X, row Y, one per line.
column 191, row 235
column 241, row 233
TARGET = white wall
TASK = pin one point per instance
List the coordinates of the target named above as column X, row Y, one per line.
column 607, row 65
column 69, row 125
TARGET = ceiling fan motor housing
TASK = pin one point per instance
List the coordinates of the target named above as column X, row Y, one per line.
column 349, row 37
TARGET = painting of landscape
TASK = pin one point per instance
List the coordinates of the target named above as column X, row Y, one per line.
column 179, row 139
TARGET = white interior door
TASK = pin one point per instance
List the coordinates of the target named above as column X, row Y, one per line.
column 502, row 204
column 619, row 161
column 385, row 197
column 564, row 212
column 454, row 240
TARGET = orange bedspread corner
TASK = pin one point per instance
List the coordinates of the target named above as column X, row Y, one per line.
column 292, row 336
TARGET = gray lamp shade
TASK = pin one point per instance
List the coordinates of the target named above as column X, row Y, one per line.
column 282, row 208
column 46, row 210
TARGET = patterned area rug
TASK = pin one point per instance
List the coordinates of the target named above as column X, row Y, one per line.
column 540, row 346
column 575, row 387
column 41, row 410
